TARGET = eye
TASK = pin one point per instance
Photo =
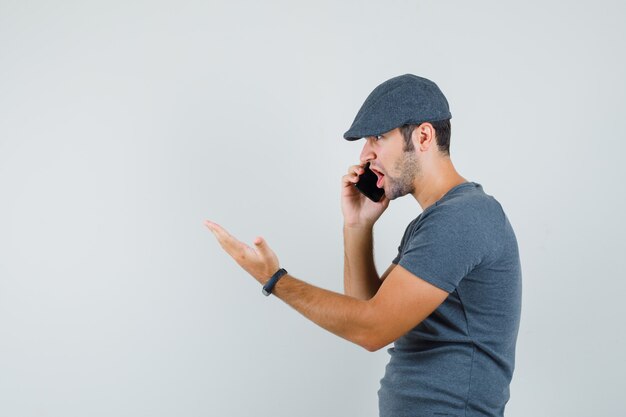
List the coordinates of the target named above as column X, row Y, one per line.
column 378, row 137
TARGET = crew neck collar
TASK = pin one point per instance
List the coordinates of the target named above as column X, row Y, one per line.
column 452, row 191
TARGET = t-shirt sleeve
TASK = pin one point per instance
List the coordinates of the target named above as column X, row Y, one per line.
column 444, row 247
column 407, row 233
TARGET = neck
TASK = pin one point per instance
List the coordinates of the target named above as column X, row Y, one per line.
column 435, row 182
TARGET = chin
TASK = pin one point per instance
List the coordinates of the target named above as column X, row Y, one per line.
column 391, row 196
column 396, row 193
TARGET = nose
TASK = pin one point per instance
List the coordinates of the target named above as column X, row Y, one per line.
column 367, row 154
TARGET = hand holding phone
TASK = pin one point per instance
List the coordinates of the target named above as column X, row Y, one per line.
column 367, row 185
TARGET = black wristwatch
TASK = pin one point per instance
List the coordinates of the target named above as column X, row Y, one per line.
column 269, row 285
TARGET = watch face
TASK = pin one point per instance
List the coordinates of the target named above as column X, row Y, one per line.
column 265, row 292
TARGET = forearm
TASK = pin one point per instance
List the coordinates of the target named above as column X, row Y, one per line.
column 345, row 316
column 360, row 278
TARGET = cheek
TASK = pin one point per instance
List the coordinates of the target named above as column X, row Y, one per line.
column 394, row 164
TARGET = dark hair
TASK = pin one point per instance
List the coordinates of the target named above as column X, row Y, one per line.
column 443, row 131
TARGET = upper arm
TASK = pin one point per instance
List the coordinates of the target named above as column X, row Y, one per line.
column 401, row 303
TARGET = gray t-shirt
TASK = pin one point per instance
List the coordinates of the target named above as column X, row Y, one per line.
column 458, row 361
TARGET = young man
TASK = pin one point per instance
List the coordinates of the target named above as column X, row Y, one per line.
column 451, row 298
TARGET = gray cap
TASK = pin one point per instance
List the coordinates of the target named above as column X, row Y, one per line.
column 406, row 99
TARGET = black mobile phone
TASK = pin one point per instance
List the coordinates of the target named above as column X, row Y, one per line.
column 367, row 185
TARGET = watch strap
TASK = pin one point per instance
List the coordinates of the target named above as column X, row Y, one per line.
column 269, row 285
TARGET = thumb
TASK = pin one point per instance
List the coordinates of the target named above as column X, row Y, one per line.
column 265, row 252
column 261, row 244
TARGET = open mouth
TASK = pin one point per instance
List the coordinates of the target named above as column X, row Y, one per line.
column 380, row 176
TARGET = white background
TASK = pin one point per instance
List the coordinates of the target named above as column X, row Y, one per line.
column 125, row 124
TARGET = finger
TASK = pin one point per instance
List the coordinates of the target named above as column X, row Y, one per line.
column 356, row 169
column 348, row 181
column 351, row 178
column 228, row 242
column 212, row 227
column 208, row 224
column 216, row 229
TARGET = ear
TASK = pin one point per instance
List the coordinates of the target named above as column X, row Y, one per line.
column 423, row 137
